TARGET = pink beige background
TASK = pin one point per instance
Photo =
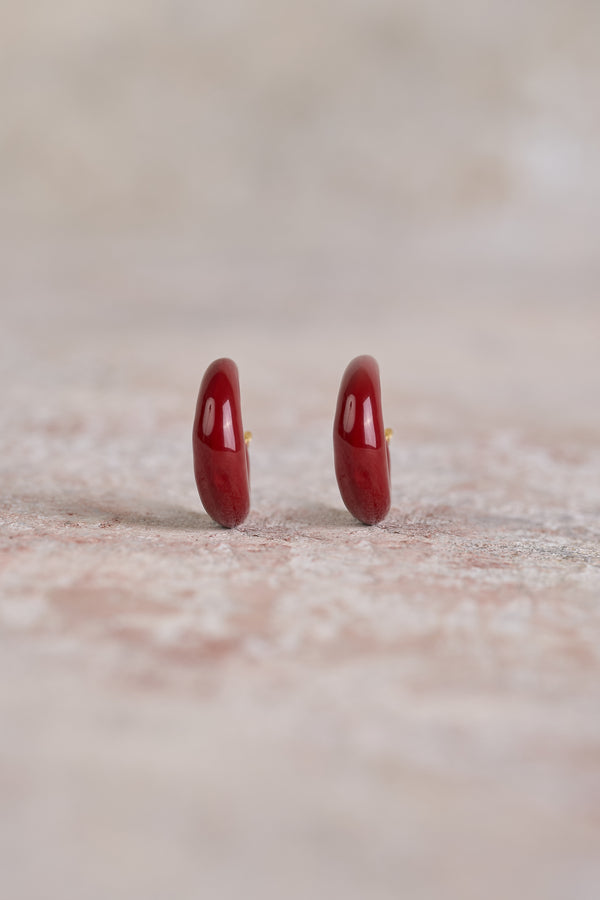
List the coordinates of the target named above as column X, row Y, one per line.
column 303, row 707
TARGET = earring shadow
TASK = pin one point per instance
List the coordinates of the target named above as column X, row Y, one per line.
column 133, row 512
column 319, row 515
column 168, row 517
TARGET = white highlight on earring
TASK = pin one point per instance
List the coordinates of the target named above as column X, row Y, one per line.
column 228, row 435
column 208, row 419
column 349, row 413
column 370, row 438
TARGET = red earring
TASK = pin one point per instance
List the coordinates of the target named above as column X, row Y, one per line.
column 360, row 443
column 221, row 462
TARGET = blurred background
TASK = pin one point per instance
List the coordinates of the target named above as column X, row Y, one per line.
column 410, row 710
column 404, row 175
column 320, row 124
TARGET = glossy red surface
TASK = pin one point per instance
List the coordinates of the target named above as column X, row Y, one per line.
column 221, row 463
column 361, row 454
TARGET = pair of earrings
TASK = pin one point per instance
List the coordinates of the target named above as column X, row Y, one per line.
column 360, row 444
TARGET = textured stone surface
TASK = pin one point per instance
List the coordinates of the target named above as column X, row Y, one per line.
column 306, row 701
column 304, row 707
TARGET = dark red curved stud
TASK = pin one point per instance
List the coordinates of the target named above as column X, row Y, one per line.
column 361, row 453
column 221, row 463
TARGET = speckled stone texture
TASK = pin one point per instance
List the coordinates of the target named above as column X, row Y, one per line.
column 412, row 708
column 304, row 707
